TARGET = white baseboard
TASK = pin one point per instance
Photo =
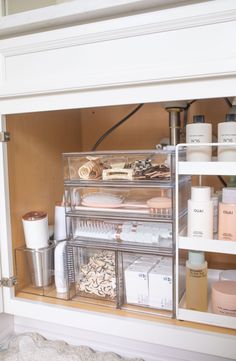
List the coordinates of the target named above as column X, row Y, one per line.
column 100, row 342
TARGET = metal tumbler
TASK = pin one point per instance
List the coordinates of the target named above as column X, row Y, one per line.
column 40, row 265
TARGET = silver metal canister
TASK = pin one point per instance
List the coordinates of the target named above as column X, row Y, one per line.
column 41, row 265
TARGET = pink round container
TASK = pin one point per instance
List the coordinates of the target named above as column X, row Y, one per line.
column 224, row 298
column 160, row 206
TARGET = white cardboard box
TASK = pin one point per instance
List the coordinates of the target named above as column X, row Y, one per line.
column 160, row 287
column 136, row 283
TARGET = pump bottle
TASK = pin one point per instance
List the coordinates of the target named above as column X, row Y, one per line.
column 200, row 213
column 227, row 215
column 196, row 281
column 196, row 133
column 227, row 134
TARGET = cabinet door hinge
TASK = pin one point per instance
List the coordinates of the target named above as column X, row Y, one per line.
column 8, row 282
column 4, row 136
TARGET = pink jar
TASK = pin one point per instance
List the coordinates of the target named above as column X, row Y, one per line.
column 224, row 298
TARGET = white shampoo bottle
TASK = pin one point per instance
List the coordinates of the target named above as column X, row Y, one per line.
column 227, row 134
column 196, row 133
column 200, row 213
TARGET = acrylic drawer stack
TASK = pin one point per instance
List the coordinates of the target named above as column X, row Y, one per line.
column 121, row 227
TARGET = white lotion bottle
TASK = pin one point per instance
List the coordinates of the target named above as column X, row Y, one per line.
column 196, row 133
column 60, row 264
column 200, row 213
column 227, row 134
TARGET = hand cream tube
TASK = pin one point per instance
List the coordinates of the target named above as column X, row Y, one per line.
column 60, row 264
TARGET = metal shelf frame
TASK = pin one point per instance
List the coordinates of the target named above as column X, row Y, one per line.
column 209, row 245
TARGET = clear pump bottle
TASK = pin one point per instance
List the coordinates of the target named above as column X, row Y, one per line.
column 196, row 281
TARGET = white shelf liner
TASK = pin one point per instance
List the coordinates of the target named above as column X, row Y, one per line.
column 207, row 168
column 207, row 245
column 206, row 317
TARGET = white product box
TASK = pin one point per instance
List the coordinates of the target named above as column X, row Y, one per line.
column 160, row 287
column 136, row 283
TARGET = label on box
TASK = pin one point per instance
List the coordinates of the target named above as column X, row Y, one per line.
column 160, row 288
column 136, row 283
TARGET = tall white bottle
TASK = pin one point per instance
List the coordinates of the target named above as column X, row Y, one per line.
column 60, row 222
column 196, row 133
column 200, row 213
column 227, row 134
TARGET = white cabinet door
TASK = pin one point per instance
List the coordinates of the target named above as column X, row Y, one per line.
column 1, row 290
column 1, row 297
column 6, row 264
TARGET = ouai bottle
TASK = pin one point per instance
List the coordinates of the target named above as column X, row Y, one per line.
column 227, row 215
column 199, row 132
column 196, row 281
column 200, row 213
column 227, row 134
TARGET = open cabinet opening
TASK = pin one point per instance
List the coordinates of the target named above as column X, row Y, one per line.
column 36, row 183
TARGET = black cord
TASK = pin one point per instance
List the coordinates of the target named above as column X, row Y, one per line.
column 185, row 117
column 190, row 103
column 228, row 102
column 116, row 126
column 186, row 112
column 222, row 180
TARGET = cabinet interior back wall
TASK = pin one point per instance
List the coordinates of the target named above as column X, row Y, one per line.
column 39, row 139
column 35, row 162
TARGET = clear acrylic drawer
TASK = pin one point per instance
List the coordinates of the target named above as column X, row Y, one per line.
column 151, row 165
column 131, row 280
column 35, row 271
column 142, row 202
column 126, row 232
column 94, row 275
column 147, row 281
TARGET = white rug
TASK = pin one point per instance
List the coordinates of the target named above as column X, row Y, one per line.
column 34, row 347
